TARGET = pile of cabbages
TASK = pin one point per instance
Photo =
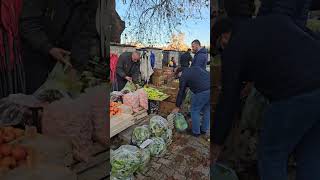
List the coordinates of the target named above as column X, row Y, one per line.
column 147, row 141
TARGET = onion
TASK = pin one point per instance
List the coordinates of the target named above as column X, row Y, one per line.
column 19, row 153
column 5, row 149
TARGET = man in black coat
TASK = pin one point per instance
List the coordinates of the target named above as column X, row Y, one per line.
column 185, row 59
column 128, row 68
column 52, row 30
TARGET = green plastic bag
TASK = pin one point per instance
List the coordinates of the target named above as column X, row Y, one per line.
column 145, row 159
column 253, row 110
column 158, row 147
column 158, row 126
column 125, row 161
column 180, row 122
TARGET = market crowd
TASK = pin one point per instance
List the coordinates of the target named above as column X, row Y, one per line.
column 192, row 75
column 277, row 55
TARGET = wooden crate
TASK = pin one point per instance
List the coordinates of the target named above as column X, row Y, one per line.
column 174, row 84
column 157, row 80
column 166, row 107
column 157, row 72
column 172, row 92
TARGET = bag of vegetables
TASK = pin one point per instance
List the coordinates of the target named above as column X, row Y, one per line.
column 157, row 147
column 145, row 159
column 180, row 122
column 140, row 134
column 132, row 100
column 129, row 87
column 167, row 136
column 125, row 161
column 158, row 126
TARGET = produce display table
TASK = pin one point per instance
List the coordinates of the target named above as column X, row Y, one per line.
column 120, row 123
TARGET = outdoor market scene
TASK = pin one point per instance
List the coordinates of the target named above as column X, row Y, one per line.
column 156, row 80
column 53, row 90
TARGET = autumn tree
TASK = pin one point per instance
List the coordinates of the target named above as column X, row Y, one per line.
column 177, row 42
column 153, row 21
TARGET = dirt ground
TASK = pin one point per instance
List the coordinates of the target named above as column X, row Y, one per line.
column 186, row 158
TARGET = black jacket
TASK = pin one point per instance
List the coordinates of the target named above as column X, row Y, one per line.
column 282, row 62
column 185, row 59
column 126, row 67
column 67, row 24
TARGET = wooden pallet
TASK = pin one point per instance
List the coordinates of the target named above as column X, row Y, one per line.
column 97, row 168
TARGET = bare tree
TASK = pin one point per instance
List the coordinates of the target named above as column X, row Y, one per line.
column 151, row 21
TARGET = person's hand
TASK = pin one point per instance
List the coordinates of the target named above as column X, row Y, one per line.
column 176, row 110
column 215, row 153
column 59, row 54
column 128, row 78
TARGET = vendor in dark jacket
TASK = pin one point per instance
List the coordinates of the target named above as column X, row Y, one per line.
column 283, row 63
column 185, row 59
column 52, row 30
column 198, row 80
column 200, row 55
column 128, row 68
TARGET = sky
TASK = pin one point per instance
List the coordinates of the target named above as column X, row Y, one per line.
column 193, row 29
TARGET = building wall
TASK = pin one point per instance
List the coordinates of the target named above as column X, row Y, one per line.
column 121, row 49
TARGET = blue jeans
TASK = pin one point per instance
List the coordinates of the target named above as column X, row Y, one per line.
column 297, row 9
column 291, row 126
column 200, row 102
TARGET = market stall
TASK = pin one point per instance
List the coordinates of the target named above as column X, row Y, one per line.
column 151, row 136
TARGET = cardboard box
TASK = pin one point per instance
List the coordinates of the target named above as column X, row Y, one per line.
column 157, row 72
column 172, row 92
column 157, row 80
column 175, row 84
column 166, row 108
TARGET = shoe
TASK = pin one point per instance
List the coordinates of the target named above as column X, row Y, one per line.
column 189, row 132
column 203, row 132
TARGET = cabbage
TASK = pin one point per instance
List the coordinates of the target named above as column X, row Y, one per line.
column 158, row 147
column 158, row 126
column 125, row 161
column 140, row 134
column 167, row 136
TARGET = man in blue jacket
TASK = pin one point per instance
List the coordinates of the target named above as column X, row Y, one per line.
column 201, row 55
column 198, row 80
